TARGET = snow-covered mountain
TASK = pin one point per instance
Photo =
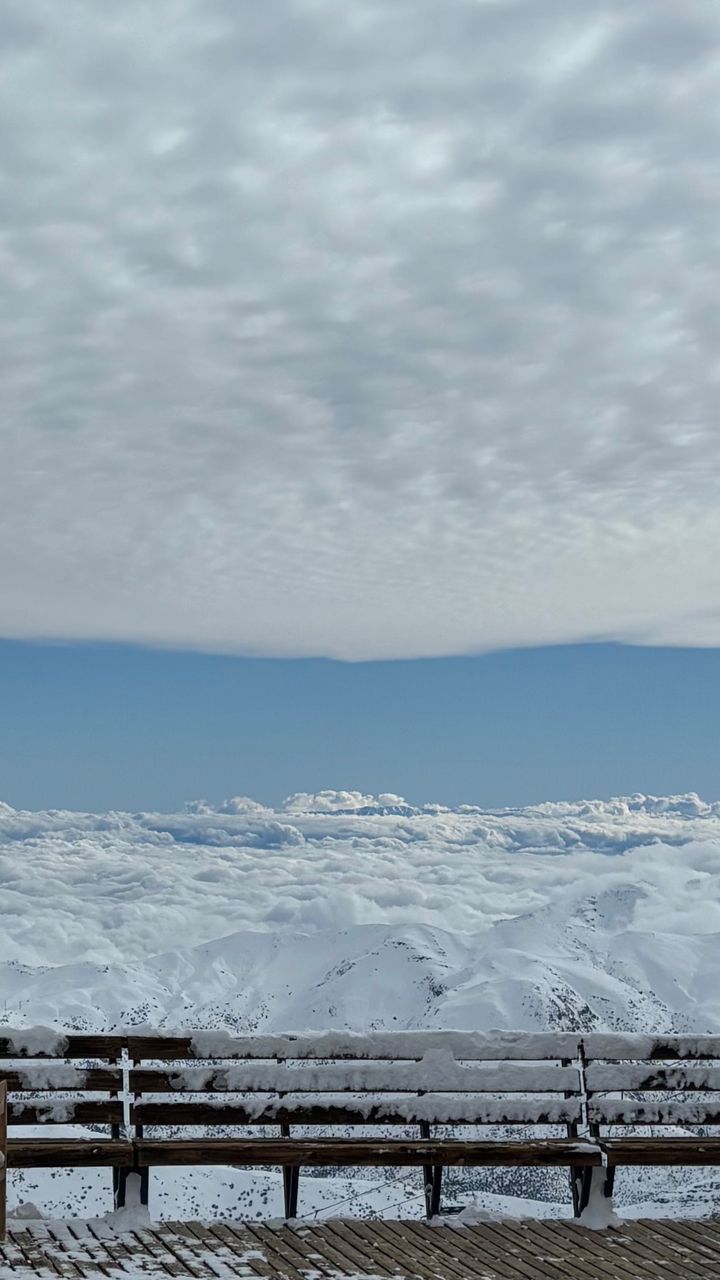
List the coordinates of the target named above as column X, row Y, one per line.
column 346, row 910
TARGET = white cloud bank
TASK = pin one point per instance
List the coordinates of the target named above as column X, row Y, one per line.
column 120, row 887
column 363, row 330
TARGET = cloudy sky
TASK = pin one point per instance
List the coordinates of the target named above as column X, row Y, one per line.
column 369, row 330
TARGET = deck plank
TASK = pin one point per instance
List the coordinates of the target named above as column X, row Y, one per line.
column 377, row 1251
column 450, row 1248
column 396, row 1250
column 361, row 1247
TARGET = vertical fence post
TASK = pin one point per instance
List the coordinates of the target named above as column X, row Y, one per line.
column 116, row 1129
column 142, row 1175
column 3, row 1159
column 575, row 1174
column 432, row 1179
column 291, row 1181
column 584, row 1182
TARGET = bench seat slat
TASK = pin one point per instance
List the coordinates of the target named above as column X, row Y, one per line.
column 65, row 1153
column 54, row 1110
column 342, row 1151
column 54, row 1045
column 641, row 1076
column 619, row 1045
column 432, row 1077
column 677, row 1110
column 431, row 1109
column 661, row 1151
column 61, row 1076
column 392, row 1046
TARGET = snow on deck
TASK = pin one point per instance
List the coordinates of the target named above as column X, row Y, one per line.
column 546, row 1250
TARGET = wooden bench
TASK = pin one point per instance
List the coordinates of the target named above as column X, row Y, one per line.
column 332, row 1100
column 419, row 1081
column 53, row 1080
column 652, row 1083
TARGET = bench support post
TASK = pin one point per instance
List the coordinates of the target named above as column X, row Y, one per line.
column 291, row 1181
column 432, row 1179
column 291, row 1187
column 433, row 1190
column 581, row 1181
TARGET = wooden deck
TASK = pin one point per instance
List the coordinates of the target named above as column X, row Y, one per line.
column 405, row 1250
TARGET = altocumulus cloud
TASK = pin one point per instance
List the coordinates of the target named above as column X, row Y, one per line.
column 376, row 329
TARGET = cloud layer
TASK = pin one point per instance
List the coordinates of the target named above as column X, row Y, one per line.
column 117, row 887
column 367, row 330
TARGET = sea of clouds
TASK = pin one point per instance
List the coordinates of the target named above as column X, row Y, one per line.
column 162, row 900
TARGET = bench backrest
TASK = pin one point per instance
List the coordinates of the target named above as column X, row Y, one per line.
column 397, row 1078
column 53, row 1079
column 651, row 1080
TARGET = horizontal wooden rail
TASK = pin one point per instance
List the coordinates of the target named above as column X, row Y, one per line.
column 63, row 1153
column 25, row 1044
column 58, row 1077
column 401, row 1077
column 298, row 1152
column 430, row 1109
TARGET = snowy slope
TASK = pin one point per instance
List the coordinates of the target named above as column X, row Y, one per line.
column 373, row 914
column 344, row 911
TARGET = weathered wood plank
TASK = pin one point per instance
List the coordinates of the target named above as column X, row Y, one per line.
column 549, row 1250
column 571, row 1265
column 497, row 1255
column 179, row 1111
column 661, row 1151
column 376, row 1249
column 64, row 1264
column 65, row 1111
column 623, row 1046
column 401, row 1251
column 246, row 1256
column 611, row 1253
column 678, row 1110
column 382, row 1046
column 448, row 1251
column 297, row 1152
column 361, row 1251
column 611, row 1077
column 661, row 1249
column 61, row 1077
column 368, row 1077
column 108, row 1047
column 42, row 1153
column 326, row 1241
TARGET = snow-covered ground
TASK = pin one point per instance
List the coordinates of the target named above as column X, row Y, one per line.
column 341, row 910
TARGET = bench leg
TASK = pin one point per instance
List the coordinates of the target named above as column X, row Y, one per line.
column 433, row 1188
column 131, row 1187
column 291, row 1187
column 432, row 1179
column 580, row 1183
column 609, row 1181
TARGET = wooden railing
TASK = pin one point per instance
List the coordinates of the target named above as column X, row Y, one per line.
column 550, row 1099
